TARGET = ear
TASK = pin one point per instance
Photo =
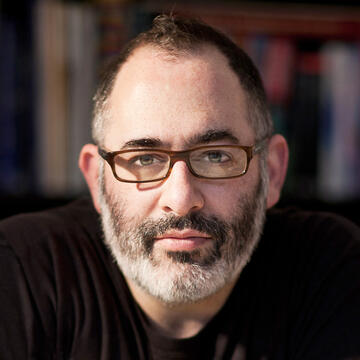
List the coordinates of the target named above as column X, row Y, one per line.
column 89, row 166
column 277, row 162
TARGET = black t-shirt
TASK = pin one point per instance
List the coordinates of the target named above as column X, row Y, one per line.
column 62, row 295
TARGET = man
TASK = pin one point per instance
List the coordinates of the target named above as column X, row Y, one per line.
column 184, row 169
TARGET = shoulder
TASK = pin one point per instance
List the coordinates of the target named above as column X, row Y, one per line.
column 313, row 250
column 77, row 210
column 293, row 223
column 50, row 250
column 311, row 245
column 54, row 268
column 294, row 216
column 27, row 233
column 313, row 260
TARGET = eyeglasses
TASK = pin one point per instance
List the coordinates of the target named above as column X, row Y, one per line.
column 207, row 162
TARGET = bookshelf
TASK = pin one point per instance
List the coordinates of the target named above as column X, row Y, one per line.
column 64, row 43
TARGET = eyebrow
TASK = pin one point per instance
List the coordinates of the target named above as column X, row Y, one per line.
column 207, row 137
column 148, row 142
column 212, row 135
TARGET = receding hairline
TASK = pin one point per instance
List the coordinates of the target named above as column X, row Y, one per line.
column 200, row 51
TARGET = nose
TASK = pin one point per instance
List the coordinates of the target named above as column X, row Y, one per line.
column 181, row 191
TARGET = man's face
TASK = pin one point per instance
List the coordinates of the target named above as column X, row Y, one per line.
column 184, row 238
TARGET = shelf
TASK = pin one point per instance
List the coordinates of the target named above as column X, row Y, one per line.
column 273, row 19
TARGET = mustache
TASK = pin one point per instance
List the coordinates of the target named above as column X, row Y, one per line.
column 212, row 226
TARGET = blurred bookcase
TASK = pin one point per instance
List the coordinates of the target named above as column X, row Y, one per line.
column 308, row 56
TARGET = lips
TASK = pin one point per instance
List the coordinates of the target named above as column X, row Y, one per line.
column 185, row 240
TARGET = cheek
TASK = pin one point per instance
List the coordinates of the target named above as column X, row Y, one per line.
column 137, row 202
column 224, row 198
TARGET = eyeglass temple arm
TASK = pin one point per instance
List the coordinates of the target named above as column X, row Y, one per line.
column 103, row 153
column 260, row 146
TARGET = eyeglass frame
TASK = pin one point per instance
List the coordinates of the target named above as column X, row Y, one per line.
column 182, row 155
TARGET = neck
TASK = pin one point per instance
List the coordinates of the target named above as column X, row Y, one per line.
column 180, row 320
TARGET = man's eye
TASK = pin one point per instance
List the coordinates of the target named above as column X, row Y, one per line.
column 146, row 160
column 216, row 156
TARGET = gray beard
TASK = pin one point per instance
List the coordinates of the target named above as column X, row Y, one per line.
column 184, row 276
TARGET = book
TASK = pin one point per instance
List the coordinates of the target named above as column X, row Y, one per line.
column 51, row 110
column 16, row 99
column 303, row 123
column 339, row 149
column 82, row 64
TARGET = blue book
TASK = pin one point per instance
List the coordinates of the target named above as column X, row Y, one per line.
column 8, row 138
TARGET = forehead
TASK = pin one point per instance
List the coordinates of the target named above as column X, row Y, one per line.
column 174, row 98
